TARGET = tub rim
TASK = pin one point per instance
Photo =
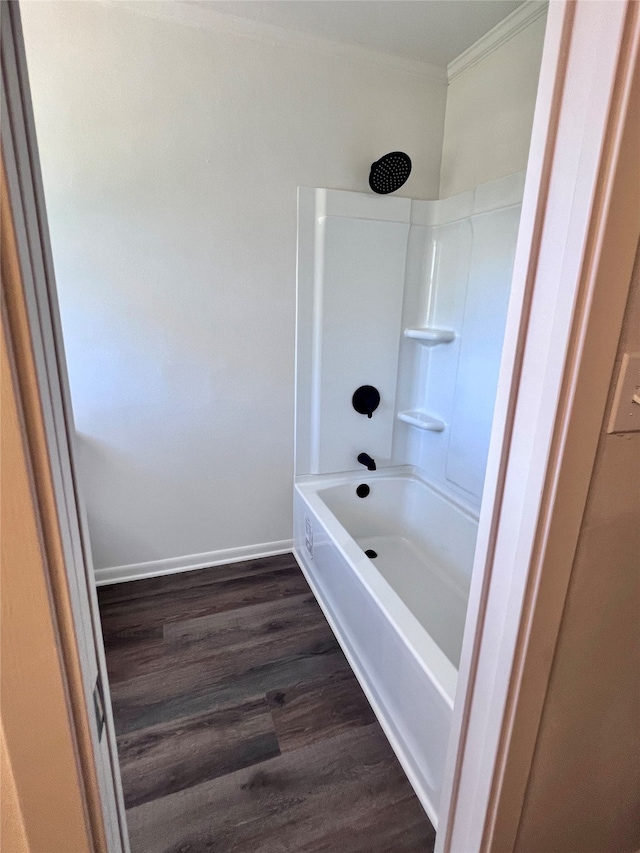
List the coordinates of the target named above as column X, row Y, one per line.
column 405, row 472
column 424, row 649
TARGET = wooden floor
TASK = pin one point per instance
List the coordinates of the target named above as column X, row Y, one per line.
column 241, row 727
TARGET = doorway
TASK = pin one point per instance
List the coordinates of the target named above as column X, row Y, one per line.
column 67, row 401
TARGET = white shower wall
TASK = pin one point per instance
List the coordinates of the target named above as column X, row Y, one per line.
column 371, row 269
column 459, row 267
column 350, row 290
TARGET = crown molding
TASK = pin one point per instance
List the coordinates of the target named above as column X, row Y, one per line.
column 200, row 16
column 510, row 26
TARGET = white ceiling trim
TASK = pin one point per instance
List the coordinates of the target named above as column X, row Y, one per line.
column 506, row 29
column 202, row 17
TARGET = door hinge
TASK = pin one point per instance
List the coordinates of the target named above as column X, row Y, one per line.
column 98, row 705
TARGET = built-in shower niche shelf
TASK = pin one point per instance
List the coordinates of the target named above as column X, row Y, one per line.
column 430, row 336
column 421, row 420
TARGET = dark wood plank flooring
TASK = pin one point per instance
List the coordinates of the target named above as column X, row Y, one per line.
column 241, row 728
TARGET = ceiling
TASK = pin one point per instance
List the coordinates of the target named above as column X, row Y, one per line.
column 434, row 31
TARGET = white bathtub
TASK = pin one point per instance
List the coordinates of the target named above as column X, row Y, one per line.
column 399, row 616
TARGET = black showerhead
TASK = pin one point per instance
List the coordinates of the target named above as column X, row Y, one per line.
column 390, row 172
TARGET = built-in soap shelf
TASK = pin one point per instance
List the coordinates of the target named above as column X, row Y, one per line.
column 430, row 336
column 421, row 420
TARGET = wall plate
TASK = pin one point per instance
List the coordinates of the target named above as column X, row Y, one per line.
column 625, row 411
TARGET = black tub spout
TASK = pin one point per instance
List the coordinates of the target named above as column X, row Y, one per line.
column 365, row 459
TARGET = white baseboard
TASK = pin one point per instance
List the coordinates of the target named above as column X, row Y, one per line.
column 155, row 568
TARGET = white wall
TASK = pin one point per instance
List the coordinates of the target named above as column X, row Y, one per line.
column 584, row 789
column 171, row 156
column 489, row 113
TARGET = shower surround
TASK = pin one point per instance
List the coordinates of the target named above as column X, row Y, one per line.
column 409, row 297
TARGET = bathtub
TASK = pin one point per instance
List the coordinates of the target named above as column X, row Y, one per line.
column 399, row 615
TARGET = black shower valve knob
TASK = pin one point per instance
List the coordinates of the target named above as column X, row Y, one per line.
column 366, row 400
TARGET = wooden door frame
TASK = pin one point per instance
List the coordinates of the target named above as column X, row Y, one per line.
column 49, row 785
column 545, row 427
column 578, row 236
column 33, row 333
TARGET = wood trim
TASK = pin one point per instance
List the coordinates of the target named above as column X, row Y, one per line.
column 603, row 292
column 543, row 140
column 190, row 562
column 38, row 298
column 13, row 834
column 550, row 314
column 58, row 791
